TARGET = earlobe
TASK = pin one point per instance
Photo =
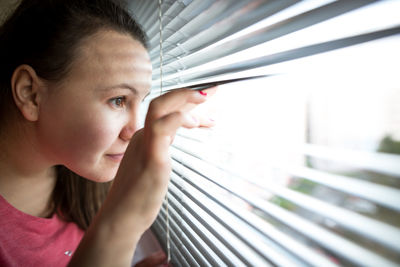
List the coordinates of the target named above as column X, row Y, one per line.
column 26, row 86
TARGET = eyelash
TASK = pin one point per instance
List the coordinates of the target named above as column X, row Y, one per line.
column 114, row 100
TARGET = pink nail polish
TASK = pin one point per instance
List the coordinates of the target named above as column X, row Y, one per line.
column 203, row 93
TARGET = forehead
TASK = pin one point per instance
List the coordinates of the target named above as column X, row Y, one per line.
column 108, row 58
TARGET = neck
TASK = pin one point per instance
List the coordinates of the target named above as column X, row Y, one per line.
column 26, row 179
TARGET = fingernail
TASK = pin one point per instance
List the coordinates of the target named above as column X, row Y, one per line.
column 202, row 93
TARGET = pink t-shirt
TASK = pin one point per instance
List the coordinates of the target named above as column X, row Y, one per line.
column 27, row 240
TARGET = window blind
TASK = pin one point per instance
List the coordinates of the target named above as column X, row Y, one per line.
column 306, row 189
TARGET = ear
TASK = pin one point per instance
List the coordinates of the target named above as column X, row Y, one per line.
column 27, row 88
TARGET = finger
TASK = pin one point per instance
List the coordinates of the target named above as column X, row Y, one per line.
column 182, row 100
column 207, row 93
column 169, row 124
column 205, row 121
column 178, row 100
column 198, row 120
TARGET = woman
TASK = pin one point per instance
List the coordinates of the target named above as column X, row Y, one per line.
column 73, row 74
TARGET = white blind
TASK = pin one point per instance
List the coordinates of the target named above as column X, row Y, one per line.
column 303, row 167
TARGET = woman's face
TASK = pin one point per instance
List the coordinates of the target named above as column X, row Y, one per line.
column 87, row 119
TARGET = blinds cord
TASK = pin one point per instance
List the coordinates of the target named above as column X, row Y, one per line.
column 161, row 91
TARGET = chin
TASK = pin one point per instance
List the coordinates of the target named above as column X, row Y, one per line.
column 98, row 175
column 98, row 171
column 103, row 177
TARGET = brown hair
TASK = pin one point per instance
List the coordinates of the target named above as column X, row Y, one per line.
column 45, row 34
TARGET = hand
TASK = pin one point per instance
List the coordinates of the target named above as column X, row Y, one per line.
column 142, row 179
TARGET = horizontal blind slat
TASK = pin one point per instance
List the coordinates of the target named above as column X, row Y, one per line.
column 179, row 244
column 211, row 244
column 336, row 243
column 250, row 14
column 188, row 13
column 270, row 232
column 159, row 231
column 196, row 76
column 172, row 13
column 381, row 162
column 146, row 13
column 196, row 58
column 213, row 13
column 186, row 241
column 250, row 238
column 153, row 18
column 383, row 233
column 383, row 195
column 380, row 194
column 216, row 226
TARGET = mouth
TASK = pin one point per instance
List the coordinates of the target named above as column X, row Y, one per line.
column 115, row 157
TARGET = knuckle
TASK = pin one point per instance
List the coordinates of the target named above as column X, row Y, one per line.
column 178, row 117
column 162, row 126
column 154, row 104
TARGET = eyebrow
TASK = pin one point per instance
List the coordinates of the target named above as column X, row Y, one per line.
column 126, row 86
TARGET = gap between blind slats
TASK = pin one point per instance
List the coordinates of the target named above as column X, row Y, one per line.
column 383, row 195
column 283, row 240
column 339, row 245
column 212, row 252
column 191, row 59
column 384, row 234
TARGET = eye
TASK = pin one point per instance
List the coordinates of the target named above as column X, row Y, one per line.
column 118, row 102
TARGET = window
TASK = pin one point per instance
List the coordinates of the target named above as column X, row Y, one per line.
column 303, row 167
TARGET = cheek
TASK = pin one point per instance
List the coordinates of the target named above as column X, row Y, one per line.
column 74, row 136
column 92, row 137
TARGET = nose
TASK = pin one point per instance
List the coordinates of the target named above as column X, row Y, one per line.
column 129, row 128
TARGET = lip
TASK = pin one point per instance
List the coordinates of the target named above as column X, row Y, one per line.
column 115, row 157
